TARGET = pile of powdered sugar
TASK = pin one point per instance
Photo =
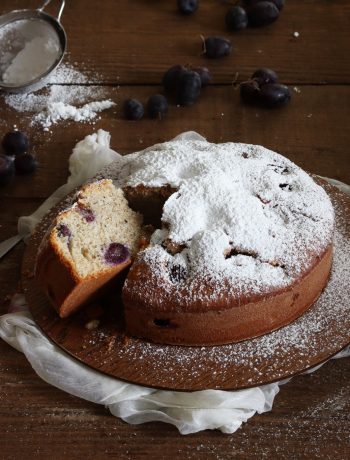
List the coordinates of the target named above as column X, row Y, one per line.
column 67, row 96
column 57, row 111
column 65, row 84
column 28, row 49
column 239, row 213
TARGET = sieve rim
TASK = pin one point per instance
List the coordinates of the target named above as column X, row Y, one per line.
column 38, row 82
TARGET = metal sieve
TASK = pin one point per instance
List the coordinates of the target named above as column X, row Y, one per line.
column 17, row 29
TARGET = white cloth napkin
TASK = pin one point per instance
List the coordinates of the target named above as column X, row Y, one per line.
column 190, row 412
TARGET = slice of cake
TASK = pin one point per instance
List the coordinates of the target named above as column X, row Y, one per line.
column 88, row 245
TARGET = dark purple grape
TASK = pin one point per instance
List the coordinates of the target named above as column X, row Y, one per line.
column 274, row 95
column 216, row 47
column 157, row 106
column 278, row 3
column 250, row 92
column 25, row 164
column 15, row 143
column 189, row 88
column 236, row 18
column 63, row 230
column 87, row 213
column 264, row 76
column 116, row 253
column 133, row 109
column 171, row 78
column 204, row 75
column 7, row 169
column 187, row 6
column 262, row 14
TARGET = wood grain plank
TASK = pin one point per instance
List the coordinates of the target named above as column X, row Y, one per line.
column 135, row 41
column 310, row 420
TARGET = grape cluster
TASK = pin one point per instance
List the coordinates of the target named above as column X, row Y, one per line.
column 255, row 13
column 15, row 158
column 263, row 89
column 185, row 84
column 180, row 83
column 216, row 47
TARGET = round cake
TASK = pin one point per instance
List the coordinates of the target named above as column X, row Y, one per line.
column 241, row 242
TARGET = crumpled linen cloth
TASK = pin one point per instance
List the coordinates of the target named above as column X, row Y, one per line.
column 190, row 412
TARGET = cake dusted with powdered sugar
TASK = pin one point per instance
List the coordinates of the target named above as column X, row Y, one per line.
column 242, row 241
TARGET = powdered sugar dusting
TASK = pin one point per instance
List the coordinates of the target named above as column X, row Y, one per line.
column 62, row 99
column 303, row 343
column 57, row 111
column 240, row 213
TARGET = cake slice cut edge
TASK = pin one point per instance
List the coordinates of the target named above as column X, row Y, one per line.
column 87, row 246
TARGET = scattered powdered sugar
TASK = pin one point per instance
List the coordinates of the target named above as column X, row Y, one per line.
column 239, row 213
column 68, row 75
column 68, row 96
column 39, row 101
column 57, row 111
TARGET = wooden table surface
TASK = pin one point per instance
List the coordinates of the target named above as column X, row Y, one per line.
column 129, row 44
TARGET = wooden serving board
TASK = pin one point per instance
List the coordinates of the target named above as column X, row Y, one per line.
column 310, row 340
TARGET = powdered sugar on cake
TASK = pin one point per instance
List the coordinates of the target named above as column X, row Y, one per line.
column 239, row 212
column 304, row 339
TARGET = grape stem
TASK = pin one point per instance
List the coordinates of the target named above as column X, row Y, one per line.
column 203, row 44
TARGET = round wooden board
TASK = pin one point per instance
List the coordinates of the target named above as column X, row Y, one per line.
column 313, row 338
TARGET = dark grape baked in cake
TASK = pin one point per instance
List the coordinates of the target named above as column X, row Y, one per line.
column 242, row 243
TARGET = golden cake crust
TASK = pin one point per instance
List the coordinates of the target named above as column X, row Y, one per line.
column 224, row 320
column 67, row 291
